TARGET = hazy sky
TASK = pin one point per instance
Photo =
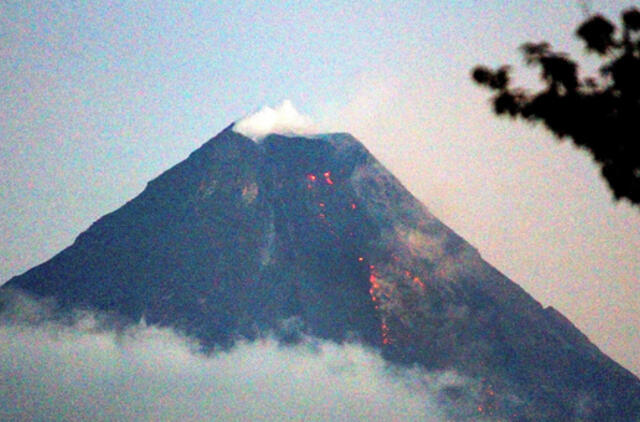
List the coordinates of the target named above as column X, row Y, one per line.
column 98, row 99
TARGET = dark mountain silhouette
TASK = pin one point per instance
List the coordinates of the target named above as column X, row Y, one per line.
column 313, row 235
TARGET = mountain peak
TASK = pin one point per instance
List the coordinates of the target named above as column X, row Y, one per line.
column 244, row 235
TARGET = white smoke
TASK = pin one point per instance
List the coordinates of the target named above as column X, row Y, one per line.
column 284, row 119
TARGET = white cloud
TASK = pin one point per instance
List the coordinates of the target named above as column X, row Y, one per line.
column 284, row 119
column 153, row 374
column 50, row 371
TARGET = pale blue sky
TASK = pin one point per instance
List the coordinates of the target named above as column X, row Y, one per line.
column 98, row 99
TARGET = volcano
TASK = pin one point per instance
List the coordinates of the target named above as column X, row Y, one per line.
column 311, row 235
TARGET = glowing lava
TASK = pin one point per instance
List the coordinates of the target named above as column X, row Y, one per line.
column 374, row 293
column 418, row 282
column 327, row 178
column 415, row 279
column 375, row 286
column 385, row 334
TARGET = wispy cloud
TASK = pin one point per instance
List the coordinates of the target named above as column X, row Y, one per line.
column 80, row 371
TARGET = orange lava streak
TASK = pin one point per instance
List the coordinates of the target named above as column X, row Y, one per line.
column 373, row 291
column 374, row 283
column 327, row 178
column 415, row 279
column 375, row 286
column 385, row 334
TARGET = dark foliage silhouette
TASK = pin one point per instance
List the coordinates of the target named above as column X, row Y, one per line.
column 600, row 113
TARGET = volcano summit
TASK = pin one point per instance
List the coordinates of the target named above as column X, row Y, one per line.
column 311, row 235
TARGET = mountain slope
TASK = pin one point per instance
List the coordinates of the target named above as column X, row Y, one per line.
column 313, row 234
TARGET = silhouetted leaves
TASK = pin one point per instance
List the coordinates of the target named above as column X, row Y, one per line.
column 534, row 51
column 597, row 32
column 631, row 19
column 482, row 75
column 601, row 113
column 506, row 102
column 496, row 80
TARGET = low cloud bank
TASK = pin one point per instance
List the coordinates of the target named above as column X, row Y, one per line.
column 284, row 119
column 77, row 372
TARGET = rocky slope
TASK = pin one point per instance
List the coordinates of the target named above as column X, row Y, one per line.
column 312, row 234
